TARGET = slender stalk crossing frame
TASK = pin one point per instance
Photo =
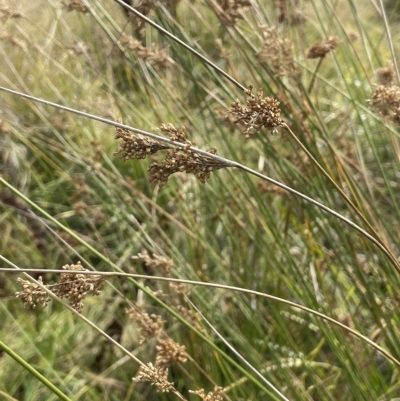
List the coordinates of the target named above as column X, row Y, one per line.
column 227, row 162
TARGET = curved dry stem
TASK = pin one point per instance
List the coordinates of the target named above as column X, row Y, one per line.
column 238, row 355
column 377, row 239
column 227, row 162
column 221, row 286
column 80, row 316
column 383, row 247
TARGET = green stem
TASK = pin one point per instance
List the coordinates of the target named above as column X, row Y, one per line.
column 145, row 290
column 34, row 372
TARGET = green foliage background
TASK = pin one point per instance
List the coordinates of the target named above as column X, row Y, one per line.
column 233, row 230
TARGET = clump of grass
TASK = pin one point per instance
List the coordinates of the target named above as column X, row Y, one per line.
column 235, row 229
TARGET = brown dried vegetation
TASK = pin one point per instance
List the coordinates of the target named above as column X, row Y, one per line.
column 135, row 146
column 231, row 11
column 320, row 50
column 260, row 112
column 277, row 53
column 73, row 286
column 386, row 102
column 155, row 56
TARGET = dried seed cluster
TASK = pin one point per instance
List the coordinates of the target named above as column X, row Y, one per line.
column 170, row 353
column 73, row 286
column 259, row 112
column 231, row 11
column 320, row 50
column 156, row 376
column 155, row 56
column 277, row 53
column 74, row 5
column 386, row 102
column 215, row 395
column 135, row 146
column 32, row 293
column 149, row 326
column 185, row 160
column 156, row 262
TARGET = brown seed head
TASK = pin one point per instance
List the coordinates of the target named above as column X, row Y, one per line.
column 155, row 375
column 259, row 112
column 144, row 7
column 7, row 12
column 183, row 159
column 153, row 55
column 32, row 293
column 158, row 263
column 170, row 353
column 231, row 11
column 6, row 36
column 74, row 286
column 277, row 53
column 215, row 395
column 320, row 50
column 136, row 146
column 149, row 326
column 386, row 102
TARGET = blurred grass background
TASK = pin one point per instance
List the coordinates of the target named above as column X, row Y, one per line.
column 234, row 229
